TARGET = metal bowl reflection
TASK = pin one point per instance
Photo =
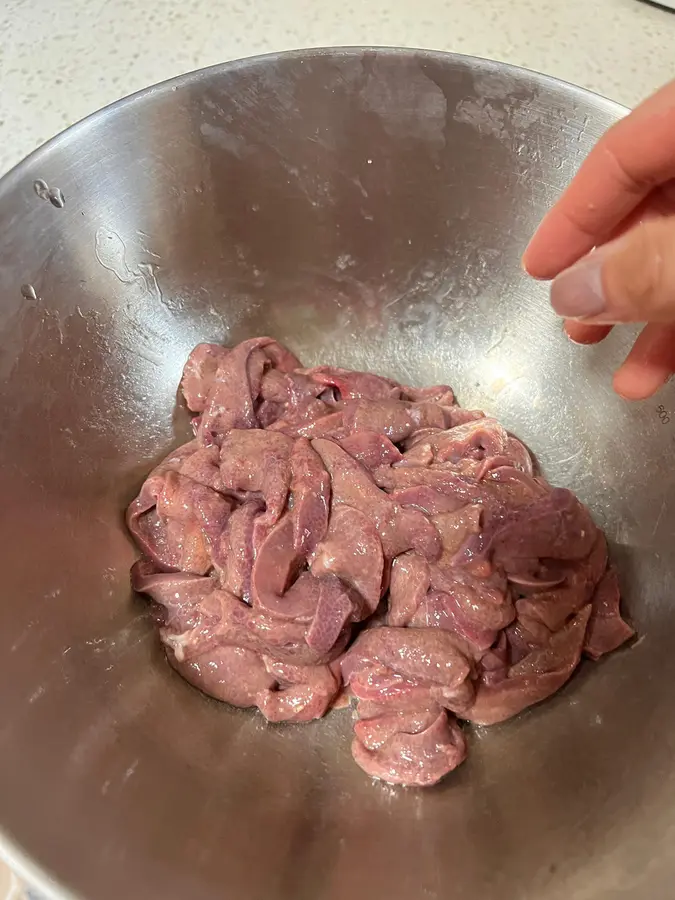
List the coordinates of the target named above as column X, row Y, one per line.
column 367, row 207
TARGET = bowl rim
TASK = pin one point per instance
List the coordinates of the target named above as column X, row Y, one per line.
column 196, row 75
column 16, row 857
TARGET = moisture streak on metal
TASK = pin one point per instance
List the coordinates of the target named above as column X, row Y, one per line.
column 45, row 192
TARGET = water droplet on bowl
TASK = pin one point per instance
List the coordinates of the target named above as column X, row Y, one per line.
column 29, row 292
column 41, row 188
column 56, row 198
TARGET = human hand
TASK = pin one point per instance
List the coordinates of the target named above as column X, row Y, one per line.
column 622, row 202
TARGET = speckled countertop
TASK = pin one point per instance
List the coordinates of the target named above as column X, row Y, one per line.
column 62, row 59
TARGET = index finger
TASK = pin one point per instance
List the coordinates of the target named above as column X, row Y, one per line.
column 631, row 159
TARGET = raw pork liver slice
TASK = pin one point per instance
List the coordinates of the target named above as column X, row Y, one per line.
column 330, row 531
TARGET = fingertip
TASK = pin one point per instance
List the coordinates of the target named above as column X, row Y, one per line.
column 649, row 365
column 539, row 258
column 581, row 333
column 632, row 382
column 555, row 246
column 534, row 266
column 525, row 263
column 625, row 388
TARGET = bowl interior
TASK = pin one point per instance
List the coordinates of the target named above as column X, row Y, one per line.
column 368, row 208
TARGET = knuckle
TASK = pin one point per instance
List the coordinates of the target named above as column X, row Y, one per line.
column 629, row 178
column 580, row 220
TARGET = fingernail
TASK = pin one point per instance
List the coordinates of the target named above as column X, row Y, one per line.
column 577, row 293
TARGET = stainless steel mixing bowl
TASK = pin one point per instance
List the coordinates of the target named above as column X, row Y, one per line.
column 368, row 207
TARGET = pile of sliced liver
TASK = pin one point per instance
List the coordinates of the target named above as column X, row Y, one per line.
column 331, row 534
